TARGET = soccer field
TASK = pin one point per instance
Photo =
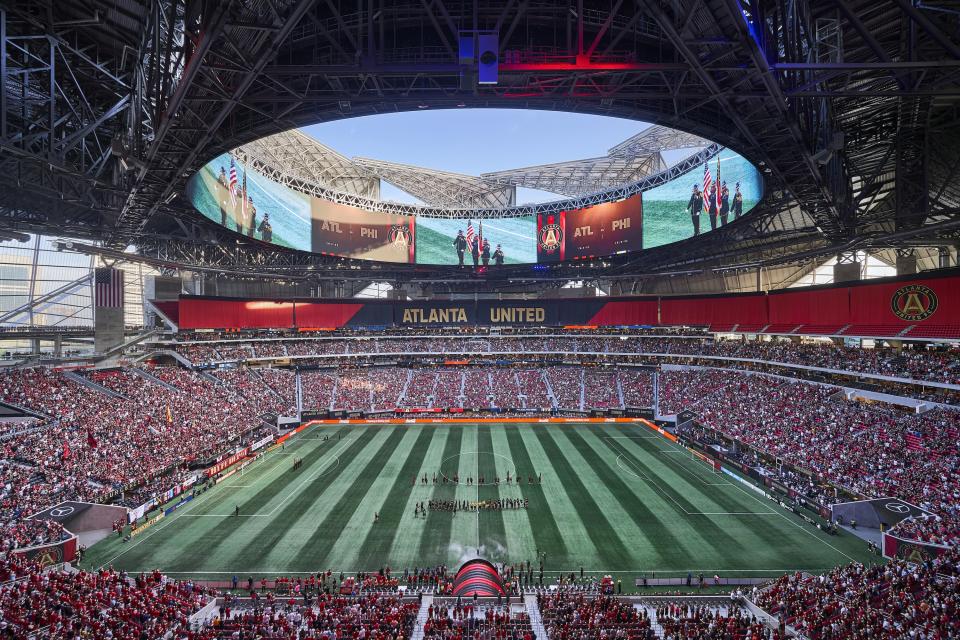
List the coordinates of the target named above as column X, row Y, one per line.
column 614, row 498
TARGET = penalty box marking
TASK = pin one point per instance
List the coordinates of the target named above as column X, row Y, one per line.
column 673, row 450
column 735, row 485
column 635, row 472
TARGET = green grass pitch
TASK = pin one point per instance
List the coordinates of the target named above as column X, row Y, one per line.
column 615, row 498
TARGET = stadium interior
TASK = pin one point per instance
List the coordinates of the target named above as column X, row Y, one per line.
column 255, row 385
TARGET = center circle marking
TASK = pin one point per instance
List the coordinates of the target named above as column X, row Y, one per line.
column 443, row 465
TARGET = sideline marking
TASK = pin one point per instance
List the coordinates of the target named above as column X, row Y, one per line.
column 775, row 511
column 323, row 471
column 183, row 512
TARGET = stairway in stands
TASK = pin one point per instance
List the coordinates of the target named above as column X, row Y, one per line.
column 533, row 610
column 333, row 394
column 583, row 391
column 422, row 617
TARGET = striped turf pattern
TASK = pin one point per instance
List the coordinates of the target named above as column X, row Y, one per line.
column 614, row 498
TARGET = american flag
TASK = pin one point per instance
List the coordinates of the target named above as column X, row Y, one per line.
column 233, row 176
column 469, row 235
column 914, row 441
column 718, row 183
column 707, row 180
column 108, row 287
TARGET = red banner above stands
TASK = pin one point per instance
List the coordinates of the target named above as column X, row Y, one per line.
column 930, row 305
column 314, row 315
column 810, row 306
column 714, row 310
column 218, row 313
column 627, row 313
column 907, row 302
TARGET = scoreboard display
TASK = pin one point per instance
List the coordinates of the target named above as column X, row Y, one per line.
column 244, row 200
column 600, row 230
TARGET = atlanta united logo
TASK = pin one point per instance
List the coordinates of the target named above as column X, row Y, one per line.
column 399, row 234
column 914, row 302
column 49, row 557
column 550, row 237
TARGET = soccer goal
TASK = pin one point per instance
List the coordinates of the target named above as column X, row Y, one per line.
column 707, row 460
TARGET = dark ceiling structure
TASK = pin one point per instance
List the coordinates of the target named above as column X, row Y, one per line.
column 851, row 108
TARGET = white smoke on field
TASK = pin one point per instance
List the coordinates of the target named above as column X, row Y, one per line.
column 462, row 553
column 494, row 552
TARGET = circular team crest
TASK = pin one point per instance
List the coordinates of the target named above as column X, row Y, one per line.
column 61, row 512
column 914, row 302
column 399, row 234
column 550, row 237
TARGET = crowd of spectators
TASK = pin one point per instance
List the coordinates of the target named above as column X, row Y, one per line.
column 934, row 365
column 686, row 621
column 233, row 351
column 637, row 387
column 199, row 353
column 941, row 529
column 601, row 389
column 386, row 388
column 571, row 616
column 567, row 385
column 250, row 383
column 318, row 389
column 895, row 600
column 872, row 450
column 269, row 349
column 465, row 620
column 283, row 382
column 420, row 386
column 386, row 384
column 368, row 617
column 477, row 389
column 534, row 390
column 94, row 445
column 354, row 391
column 504, row 388
column 29, row 533
column 447, row 389
column 102, row 604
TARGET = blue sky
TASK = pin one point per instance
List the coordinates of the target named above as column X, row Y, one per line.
column 474, row 141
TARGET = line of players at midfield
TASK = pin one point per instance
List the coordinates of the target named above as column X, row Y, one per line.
column 443, row 478
column 453, row 506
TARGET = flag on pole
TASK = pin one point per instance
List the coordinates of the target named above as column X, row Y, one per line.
column 718, row 183
column 707, row 181
column 243, row 198
column 233, row 182
column 169, row 415
column 480, row 235
column 108, row 287
column 470, row 235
